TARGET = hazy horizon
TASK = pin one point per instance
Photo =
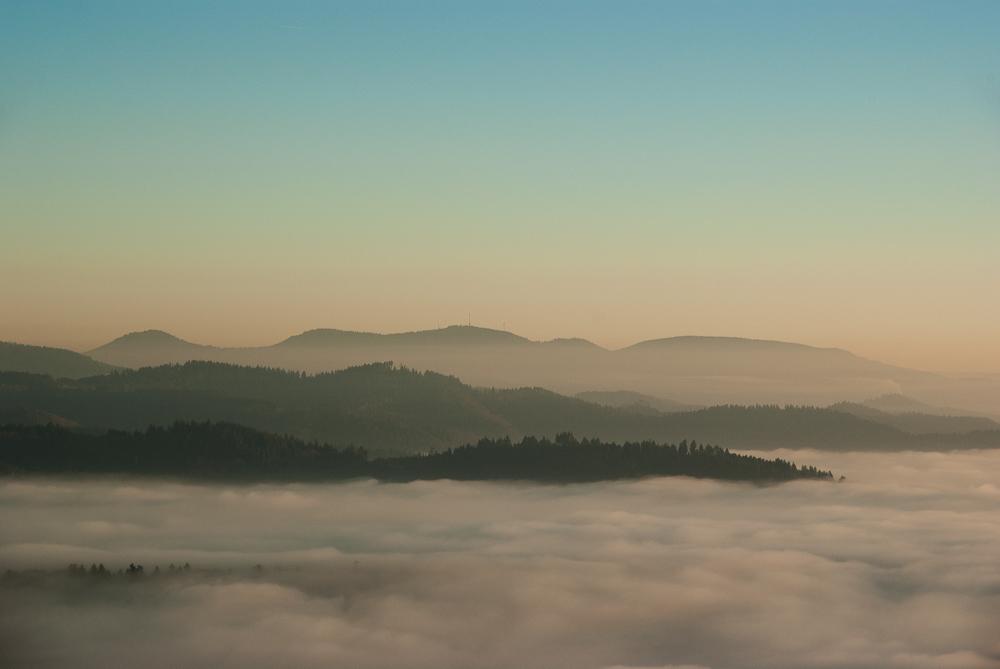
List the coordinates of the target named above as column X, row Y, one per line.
column 238, row 173
column 806, row 172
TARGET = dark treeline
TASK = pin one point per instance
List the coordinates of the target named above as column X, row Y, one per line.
column 203, row 450
column 567, row 460
column 234, row 452
column 97, row 574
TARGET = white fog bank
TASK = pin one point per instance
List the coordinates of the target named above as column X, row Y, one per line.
column 897, row 566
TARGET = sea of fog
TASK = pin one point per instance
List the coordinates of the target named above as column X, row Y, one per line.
column 896, row 566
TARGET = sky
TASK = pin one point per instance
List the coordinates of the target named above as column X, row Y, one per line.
column 236, row 173
column 893, row 567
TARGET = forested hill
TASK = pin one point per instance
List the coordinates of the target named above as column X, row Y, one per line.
column 395, row 410
column 234, row 452
column 58, row 362
column 918, row 423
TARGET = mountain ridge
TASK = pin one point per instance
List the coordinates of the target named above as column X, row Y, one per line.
column 386, row 408
column 453, row 334
column 58, row 362
column 465, row 334
column 693, row 370
column 701, row 341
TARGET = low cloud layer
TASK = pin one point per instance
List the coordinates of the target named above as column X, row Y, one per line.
column 895, row 566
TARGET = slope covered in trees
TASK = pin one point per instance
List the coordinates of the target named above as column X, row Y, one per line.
column 57, row 362
column 916, row 422
column 215, row 450
column 382, row 408
column 396, row 410
column 232, row 452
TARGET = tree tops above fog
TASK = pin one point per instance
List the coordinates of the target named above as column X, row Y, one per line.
column 228, row 451
column 567, row 460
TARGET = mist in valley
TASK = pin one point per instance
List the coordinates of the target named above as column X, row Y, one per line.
column 231, row 235
column 893, row 566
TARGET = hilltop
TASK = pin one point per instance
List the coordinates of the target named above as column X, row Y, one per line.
column 153, row 347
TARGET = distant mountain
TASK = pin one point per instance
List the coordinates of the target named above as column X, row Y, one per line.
column 57, row 362
column 692, row 370
column 387, row 409
column 635, row 401
column 734, row 358
column 151, row 348
column 149, row 339
column 459, row 335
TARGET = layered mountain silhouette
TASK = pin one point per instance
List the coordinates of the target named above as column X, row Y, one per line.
column 894, row 403
column 918, row 422
column 388, row 409
column 689, row 370
column 635, row 401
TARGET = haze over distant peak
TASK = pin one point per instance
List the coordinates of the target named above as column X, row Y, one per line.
column 152, row 347
column 328, row 336
column 465, row 334
column 895, row 403
column 451, row 335
column 692, row 370
column 147, row 339
column 574, row 342
column 706, row 343
column 634, row 400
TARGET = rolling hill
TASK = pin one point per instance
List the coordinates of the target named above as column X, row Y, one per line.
column 388, row 409
column 895, row 403
column 635, row 401
column 917, row 422
column 57, row 362
column 691, row 370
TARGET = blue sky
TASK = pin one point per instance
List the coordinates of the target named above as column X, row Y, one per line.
column 238, row 172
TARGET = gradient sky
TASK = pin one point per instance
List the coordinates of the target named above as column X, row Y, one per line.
column 235, row 173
